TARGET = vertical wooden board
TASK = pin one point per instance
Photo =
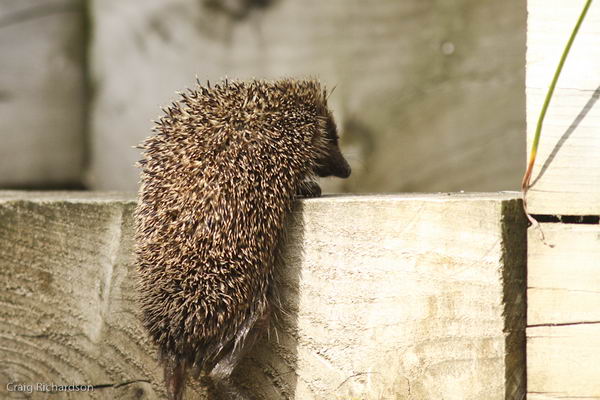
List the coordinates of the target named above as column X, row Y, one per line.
column 563, row 274
column 549, row 25
column 563, row 362
column 563, row 314
column 414, row 80
column 566, row 177
column 42, row 96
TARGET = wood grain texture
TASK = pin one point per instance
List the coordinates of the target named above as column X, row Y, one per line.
column 562, row 362
column 564, row 280
column 429, row 95
column 409, row 287
column 566, row 177
column 42, row 92
column 67, row 299
column 415, row 297
column 563, row 313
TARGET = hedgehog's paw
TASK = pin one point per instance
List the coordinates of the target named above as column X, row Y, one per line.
column 309, row 189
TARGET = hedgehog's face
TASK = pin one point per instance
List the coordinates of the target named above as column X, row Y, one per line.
column 332, row 163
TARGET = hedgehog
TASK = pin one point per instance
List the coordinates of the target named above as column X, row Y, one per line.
column 218, row 177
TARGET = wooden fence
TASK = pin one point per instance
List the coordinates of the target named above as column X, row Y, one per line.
column 563, row 315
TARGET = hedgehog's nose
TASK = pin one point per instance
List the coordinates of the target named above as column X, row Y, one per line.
column 341, row 168
column 334, row 165
column 344, row 170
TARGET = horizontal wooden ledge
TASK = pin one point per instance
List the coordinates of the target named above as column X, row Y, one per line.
column 107, row 196
column 562, row 362
column 388, row 296
column 563, row 273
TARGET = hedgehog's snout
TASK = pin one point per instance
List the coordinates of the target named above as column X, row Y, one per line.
column 345, row 173
column 334, row 164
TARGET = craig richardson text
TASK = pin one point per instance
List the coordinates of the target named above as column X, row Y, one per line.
column 47, row 387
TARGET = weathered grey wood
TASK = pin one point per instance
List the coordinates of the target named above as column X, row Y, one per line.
column 42, row 99
column 429, row 95
column 563, row 313
column 566, row 177
column 67, row 294
column 418, row 296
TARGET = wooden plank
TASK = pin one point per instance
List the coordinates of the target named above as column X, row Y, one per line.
column 42, row 93
column 566, row 177
column 563, row 362
column 417, row 296
column 549, row 26
column 429, row 95
column 563, row 313
column 67, row 298
column 563, row 280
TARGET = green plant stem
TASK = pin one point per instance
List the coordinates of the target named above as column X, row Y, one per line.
column 538, row 130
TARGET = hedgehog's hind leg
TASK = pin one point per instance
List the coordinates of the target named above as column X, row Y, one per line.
column 221, row 379
column 175, row 371
column 220, row 375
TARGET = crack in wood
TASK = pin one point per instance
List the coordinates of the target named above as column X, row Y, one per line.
column 567, row 219
column 564, row 324
column 116, row 385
